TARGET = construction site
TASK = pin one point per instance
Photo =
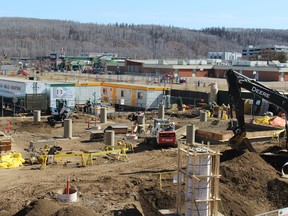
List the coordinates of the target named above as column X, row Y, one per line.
column 163, row 161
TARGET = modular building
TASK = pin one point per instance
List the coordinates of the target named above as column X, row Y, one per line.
column 25, row 95
column 61, row 91
column 86, row 91
column 139, row 97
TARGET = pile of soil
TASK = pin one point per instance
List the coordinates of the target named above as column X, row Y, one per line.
column 249, row 185
column 45, row 207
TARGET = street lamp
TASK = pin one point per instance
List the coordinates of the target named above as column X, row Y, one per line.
column 254, row 76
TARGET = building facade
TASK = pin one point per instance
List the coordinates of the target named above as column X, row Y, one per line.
column 257, row 50
column 224, row 55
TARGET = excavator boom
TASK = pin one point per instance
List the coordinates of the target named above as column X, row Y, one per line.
column 235, row 82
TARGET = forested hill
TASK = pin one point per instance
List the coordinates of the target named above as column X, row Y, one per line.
column 34, row 37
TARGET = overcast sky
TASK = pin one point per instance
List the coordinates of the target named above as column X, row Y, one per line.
column 190, row 14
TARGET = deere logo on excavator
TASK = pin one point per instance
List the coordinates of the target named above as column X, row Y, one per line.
column 260, row 92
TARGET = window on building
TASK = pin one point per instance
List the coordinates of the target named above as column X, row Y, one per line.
column 122, row 94
column 104, row 91
column 140, row 95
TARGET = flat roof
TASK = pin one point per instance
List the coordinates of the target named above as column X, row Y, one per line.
column 19, row 79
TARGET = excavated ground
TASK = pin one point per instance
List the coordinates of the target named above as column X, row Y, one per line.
column 248, row 184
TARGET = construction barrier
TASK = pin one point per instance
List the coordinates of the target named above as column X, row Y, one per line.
column 86, row 158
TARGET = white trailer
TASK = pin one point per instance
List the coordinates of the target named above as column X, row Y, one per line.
column 25, row 94
column 86, row 91
column 61, row 91
column 11, row 87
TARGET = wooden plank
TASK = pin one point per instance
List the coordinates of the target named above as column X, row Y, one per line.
column 226, row 135
column 212, row 135
column 6, row 142
column 5, row 148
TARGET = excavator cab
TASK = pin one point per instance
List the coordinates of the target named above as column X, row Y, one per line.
column 60, row 103
column 59, row 113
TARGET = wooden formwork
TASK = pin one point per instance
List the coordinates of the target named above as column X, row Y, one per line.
column 190, row 178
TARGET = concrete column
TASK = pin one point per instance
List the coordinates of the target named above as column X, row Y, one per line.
column 212, row 96
column 190, row 134
column 37, row 115
column 141, row 119
column 109, row 137
column 68, row 128
column 203, row 116
column 103, row 115
column 141, row 123
column 161, row 112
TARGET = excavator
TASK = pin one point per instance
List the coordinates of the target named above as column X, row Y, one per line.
column 236, row 81
column 59, row 113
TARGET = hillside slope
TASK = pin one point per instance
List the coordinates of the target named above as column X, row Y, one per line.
column 36, row 37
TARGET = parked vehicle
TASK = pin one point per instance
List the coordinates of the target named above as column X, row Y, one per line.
column 166, row 78
column 182, row 80
column 88, row 71
column 100, row 70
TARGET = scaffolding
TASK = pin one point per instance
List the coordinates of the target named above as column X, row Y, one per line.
column 198, row 180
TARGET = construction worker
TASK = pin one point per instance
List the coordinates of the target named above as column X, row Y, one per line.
column 89, row 105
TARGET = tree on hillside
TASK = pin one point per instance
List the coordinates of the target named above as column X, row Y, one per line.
column 27, row 37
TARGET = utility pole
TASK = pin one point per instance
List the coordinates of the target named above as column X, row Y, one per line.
column 2, row 106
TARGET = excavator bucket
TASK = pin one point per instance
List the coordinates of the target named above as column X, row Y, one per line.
column 240, row 142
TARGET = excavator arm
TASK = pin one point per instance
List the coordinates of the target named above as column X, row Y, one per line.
column 235, row 82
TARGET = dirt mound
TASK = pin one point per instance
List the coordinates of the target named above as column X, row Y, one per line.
column 43, row 207
column 277, row 191
column 75, row 211
column 248, row 184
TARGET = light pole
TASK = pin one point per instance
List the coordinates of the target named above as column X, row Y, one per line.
column 254, row 76
column 2, row 106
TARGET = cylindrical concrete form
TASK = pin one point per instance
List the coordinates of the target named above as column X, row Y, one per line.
column 37, row 115
column 199, row 189
column 64, row 197
column 161, row 112
column 190, row 134
column 68, row 128
column 141, row 119
column 141, row 123
column 103, row 115
column 109, row 137
column 203, row 116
